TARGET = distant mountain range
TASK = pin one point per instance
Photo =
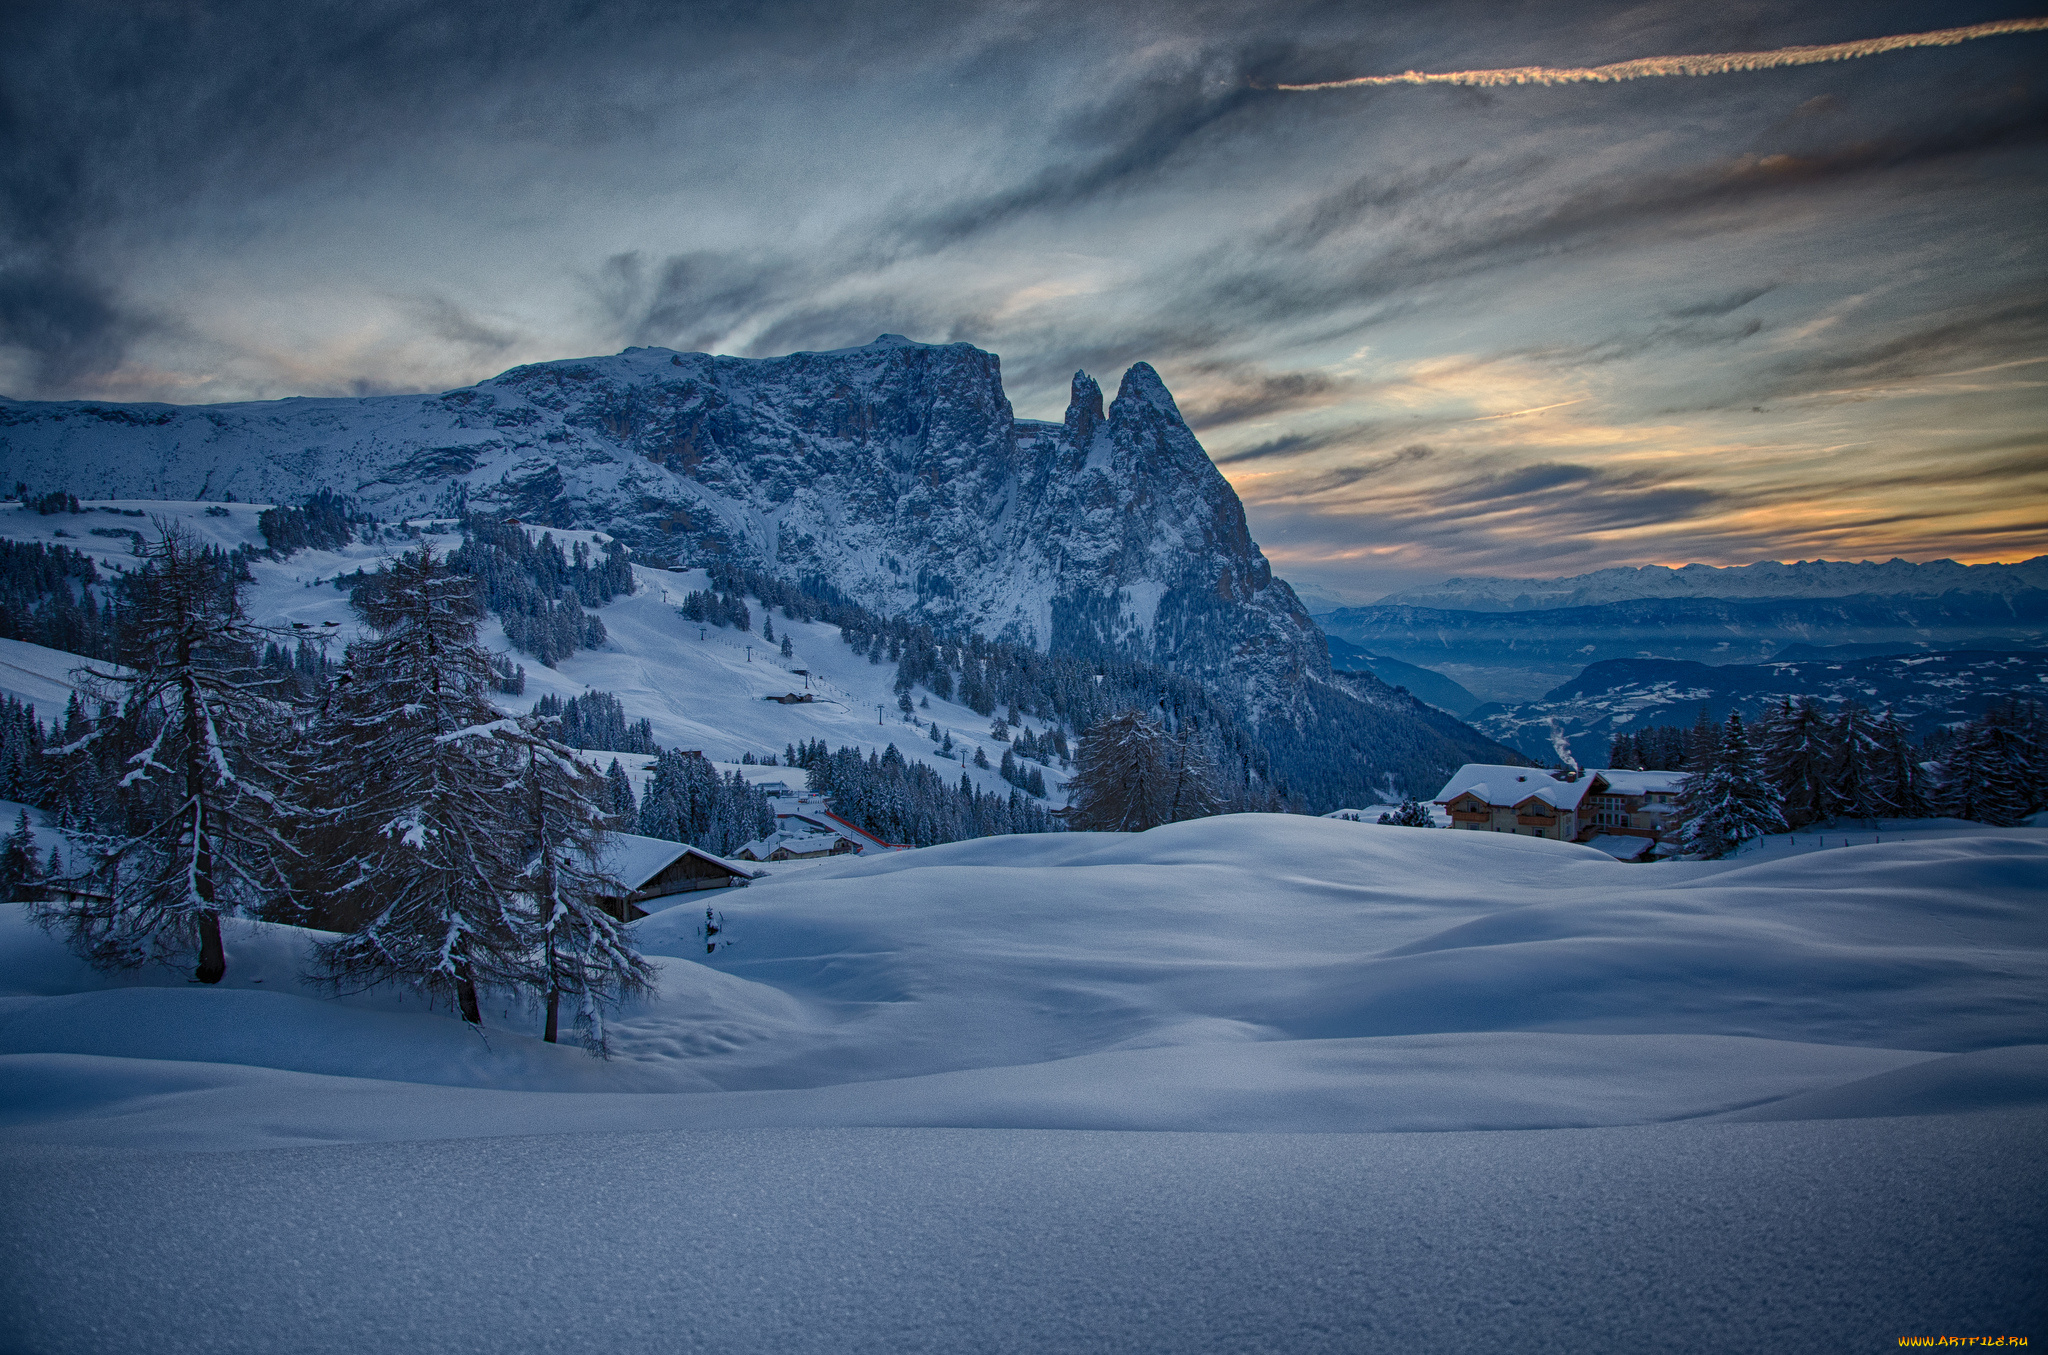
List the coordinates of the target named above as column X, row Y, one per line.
column 1619, row 696
column 1766, row 579
column 1517, row 655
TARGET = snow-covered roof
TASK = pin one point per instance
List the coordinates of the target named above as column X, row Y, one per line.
column 635, row 859
column 1505, row 786
column 1621, row 781
column 800, row 842
column 1620, row 846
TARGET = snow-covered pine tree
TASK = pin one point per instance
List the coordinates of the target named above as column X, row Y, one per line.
column 1898, row 785
column 428, row 826
column 1730, row 801
column 622, row 801
column 1622, row 754
column 1798, row 752
column 1991, row 771
column 1194, row 793
column 1701, row 742
column 788, row 649
column 18, row 865
column 687, row 801
column 1852, row 785
column 199, row 729
column 1124, row 780
column 580, row 950
column 1411, row 814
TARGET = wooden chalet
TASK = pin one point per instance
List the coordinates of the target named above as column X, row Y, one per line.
column 654, row 869
column 1566, row 806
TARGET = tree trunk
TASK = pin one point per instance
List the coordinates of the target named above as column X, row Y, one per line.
column 213, row 958
column 465, row 994
column 554, row 1007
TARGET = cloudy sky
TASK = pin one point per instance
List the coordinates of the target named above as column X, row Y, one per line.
column 1424, row 330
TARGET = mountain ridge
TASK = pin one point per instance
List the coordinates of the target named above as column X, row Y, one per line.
column 1764, row 580
column 896, row 471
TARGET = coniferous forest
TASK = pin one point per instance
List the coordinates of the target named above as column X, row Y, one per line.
column 384, row 800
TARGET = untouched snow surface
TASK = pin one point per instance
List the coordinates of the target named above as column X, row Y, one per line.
column 1252, row 972
column 1797, row 1101
column 1821, row 1236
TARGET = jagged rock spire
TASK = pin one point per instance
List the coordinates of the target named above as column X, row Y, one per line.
column 1142, row 383
column 1084, row 409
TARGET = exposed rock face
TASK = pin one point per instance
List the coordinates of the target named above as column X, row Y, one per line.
column 896, row 472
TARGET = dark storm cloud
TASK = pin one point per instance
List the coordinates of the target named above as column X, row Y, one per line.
column 67, row 320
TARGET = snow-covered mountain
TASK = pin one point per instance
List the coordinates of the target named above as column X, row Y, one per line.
column 1765, row 579
column 895, row 472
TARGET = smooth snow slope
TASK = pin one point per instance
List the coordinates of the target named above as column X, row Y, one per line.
column 1832, row 1236
column 1248, row 972
column 887, row 1119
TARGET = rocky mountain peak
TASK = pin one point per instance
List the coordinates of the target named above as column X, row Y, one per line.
column 896, row 471
column 1084, row 410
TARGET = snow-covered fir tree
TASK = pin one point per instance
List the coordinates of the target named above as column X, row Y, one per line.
column 1852, row 788
column 1193, row 791
column 623, row 805
column 1410, row 814
column 1993, row 770
column 1730, row 801
column 581, row 951
column 1797, row 745
column 1123, row 782
column 19, row 868
column 197, row 728
column 688, row 801
column 426, row 825
column 1898, row 785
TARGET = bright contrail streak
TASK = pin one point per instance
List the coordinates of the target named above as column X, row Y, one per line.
column 1711, row 63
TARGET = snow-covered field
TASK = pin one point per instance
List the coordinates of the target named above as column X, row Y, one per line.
column 1051, row 1093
